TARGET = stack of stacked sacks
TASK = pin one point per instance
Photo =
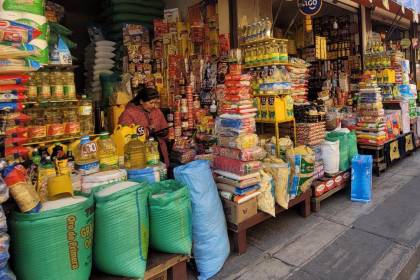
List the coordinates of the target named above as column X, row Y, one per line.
column 311, row 134
column 371, row 126
column 299, row 75
column 5, row 272
column 28, row 13
column 98, row 60
column 236, row 163
column 120, row 12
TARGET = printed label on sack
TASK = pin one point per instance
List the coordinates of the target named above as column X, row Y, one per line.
column 338, row 180
column 330, row 184
column 88, row 168
column 72, row 242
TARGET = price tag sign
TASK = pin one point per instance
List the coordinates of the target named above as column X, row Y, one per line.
column 140, row 131
column 309, row 7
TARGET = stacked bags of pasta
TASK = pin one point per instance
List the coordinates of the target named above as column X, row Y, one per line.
column 24, row 27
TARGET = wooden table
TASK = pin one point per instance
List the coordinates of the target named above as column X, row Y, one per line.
column 160, row 266
column 239, row 230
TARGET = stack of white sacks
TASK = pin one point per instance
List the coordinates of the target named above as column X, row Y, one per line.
column 99, row 59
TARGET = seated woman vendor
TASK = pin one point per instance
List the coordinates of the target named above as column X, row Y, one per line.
column 144, row 110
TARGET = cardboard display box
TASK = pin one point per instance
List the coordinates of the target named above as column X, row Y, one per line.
column 237, row 213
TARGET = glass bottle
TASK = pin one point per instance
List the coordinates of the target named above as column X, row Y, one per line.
column 68, row 85
column 56, row 82
column 43, row 85
column 32, row 92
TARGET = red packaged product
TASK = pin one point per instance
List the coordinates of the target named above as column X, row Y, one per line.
column 329, row 185
column 256, row 153
column 236, row 84
column 240, row 77
column 17, row 132
column 16, row 140
column 237, row 167
column 13, row 79
column 21, row 151
column 236, row 98
column 12, row 88
column 319, row 188
column 238, row 90
column 16, row 175
column 235, row 69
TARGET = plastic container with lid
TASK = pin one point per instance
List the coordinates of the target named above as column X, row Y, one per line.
column 135, row 153
column 43, row 85
column 107, row 152
column 55, row 124
column 56, row 85
column 72, row 123
column 68, row 85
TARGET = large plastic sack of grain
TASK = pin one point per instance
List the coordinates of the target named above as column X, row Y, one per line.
column 280, row 172
column 352, row 137
column 122, row 229
column 361, row 178
column 331, row 156
column 55, row 243
column 210, row 240
column 266, row 201
column 342, row 137
column 149, row 175
column 170, row 217
column 93, row 181
column 237, row 167
column 6, row 273
column 302, row 163
column 30, row 13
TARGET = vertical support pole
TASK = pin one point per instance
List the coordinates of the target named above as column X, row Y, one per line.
column 413, row 34
column 233, row 22
column 365, row 29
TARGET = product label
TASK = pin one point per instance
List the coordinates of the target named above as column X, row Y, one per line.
column 85, row 110
column 57, row 91
column 87, row 168
column 88, row 148
column 25, row 196
column 32, row 92
column 44, row 92
column 56, row 129
column 69, row 91
column 73, row 128
column 72, row 242
column 38, row 131
column 108, row 162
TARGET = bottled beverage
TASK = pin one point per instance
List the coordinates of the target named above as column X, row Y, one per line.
column 68, row 85
column 55, row 124
column 107, row 152
column 152, row 152
column 86, row 116
column 135, row 154
column 43, row 85
column 56, row 85
column 72, row 123
column 86, row 157
column 32, row 92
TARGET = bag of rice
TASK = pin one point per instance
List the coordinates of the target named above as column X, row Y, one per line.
column 266, row 201
column 55, row 243
column 122, row 229
column 280, row 172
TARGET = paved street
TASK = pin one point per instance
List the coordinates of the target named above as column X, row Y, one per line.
column 345, row 240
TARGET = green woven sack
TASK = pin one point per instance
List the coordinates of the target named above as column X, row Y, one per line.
column 344, row 147
column 170, row 218
column 122, row 229
column 55, row 244
column 352, row 138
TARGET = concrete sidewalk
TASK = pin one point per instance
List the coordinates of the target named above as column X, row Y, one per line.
column 345, row 240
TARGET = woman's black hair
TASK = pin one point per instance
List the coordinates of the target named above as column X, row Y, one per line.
column 144, row 94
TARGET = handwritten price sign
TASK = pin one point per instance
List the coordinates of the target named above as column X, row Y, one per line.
column 309, row 7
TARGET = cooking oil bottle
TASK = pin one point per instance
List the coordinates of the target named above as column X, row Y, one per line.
column 86, row 116
column 135, row 153
column 86, row 157
column 107, row 152
column 152, row 152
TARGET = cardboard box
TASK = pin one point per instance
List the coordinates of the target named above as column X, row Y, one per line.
column 237, row 213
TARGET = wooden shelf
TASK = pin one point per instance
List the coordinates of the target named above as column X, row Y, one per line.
column 262, row 65
column 273, row 121
column 60, row 66
column 261, row 41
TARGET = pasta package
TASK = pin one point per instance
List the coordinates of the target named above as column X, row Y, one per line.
column 243, row 141
column 236, row 166
column 256, row 153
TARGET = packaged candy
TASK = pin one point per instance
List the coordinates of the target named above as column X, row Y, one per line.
column 13, row 79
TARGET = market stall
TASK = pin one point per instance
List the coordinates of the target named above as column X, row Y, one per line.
column 144, row 142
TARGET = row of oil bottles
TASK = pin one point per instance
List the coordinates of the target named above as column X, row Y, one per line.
column 88, row 156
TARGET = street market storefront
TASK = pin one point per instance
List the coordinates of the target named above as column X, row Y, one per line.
column 136, row 135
